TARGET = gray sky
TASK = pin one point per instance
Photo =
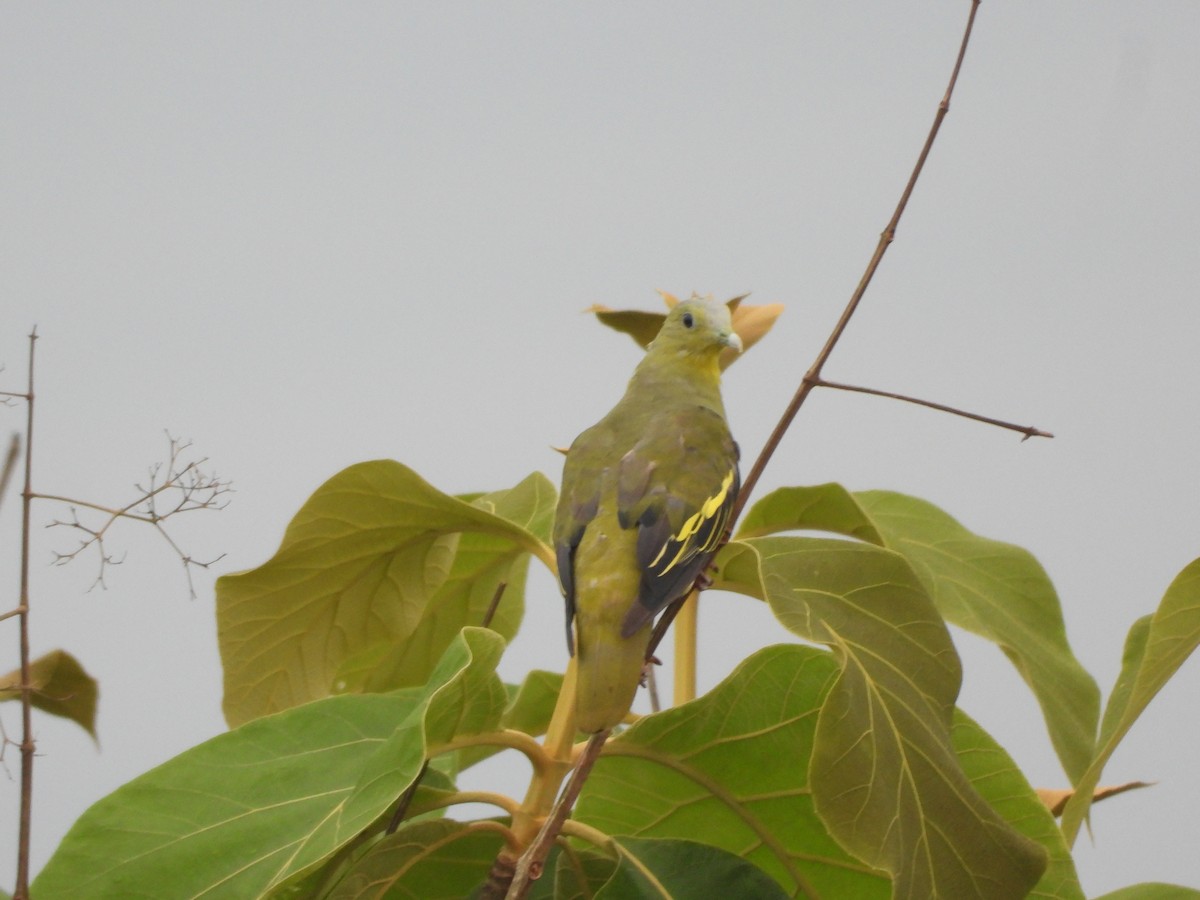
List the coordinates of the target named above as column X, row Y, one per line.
column 308, row 235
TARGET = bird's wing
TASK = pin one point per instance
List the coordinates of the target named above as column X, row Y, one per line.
column 583, row 476
column 677, row 486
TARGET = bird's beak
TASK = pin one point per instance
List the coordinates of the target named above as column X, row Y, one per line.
column 732, row 340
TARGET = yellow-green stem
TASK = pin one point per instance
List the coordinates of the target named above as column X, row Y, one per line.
column 686, row 623
column 559, row 756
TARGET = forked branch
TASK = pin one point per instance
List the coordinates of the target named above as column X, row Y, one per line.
column 528, row 866
column 174, row 487
column 813, row 377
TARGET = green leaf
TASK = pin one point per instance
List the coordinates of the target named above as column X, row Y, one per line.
column 258, row 807
column 1152, row 890
column 578, row 874
column 441, row 860
column 61, row 687
column 464, row 697
column 993, row 589
column 360, row 570
column 993, row 773
column 663, row 869
column 1154, row 650
column 884, row 775
column 530, row 708
column 229, row 817
column 730, row 769
column 482, row 563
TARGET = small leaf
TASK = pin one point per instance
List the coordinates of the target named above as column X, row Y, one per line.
column 664, row 869
column 61, row 687
column 358, row 568
column 996, row 590
column 1055, row 800
column 1154, row 651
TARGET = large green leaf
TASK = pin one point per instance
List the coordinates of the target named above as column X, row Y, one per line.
column 651, row 869
column 730, row 769
column 993, row 589
column 441, row 860
column 259, row 806
column 61, row 687
column 362, row 569
column 884, row 775
column 465, row 697
column 483, row 565
column 1155, row 648
column 998, row 780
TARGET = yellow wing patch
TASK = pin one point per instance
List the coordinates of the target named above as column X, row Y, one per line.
column 713, row 507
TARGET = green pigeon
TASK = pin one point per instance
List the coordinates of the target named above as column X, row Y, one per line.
column 646, row 497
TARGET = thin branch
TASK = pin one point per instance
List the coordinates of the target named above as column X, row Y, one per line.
column 28, row 745
column 652, row 687
column 406, row 800
column 1027, row 430
column 509, row 738
column 193, row 490
column 11, row 459
column 530, row 863
column 500, row 801
column 494, row 605
column 529, row 866
column 813, row 376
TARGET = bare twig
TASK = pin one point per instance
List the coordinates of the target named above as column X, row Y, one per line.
column 187, row 484
column 11, row 459
column 1027, row 430
column 494, row 605
column 529, row 866
column 813, row 376
column 25, row 817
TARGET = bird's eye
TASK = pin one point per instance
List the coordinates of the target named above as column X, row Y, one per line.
column 687, row 320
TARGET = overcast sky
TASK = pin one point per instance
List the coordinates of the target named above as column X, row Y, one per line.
column 305, row 235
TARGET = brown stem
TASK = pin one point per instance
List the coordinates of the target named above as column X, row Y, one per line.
column 406, row 800
column 531, row 861
column 813, row 376
column 1027, row 430
column 529, row 866
column 21, row 888
column 494, row 605
column 11, row 458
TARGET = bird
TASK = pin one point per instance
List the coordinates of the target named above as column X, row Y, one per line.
column 646, row 497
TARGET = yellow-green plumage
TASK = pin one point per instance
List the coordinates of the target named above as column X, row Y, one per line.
column 646, row 496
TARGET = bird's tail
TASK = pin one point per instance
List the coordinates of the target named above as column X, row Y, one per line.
column 610, row 669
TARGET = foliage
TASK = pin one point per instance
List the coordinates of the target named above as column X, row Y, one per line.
column 835, row 767
column 62, row 687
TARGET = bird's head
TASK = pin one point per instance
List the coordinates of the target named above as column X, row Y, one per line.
column 697, row 327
